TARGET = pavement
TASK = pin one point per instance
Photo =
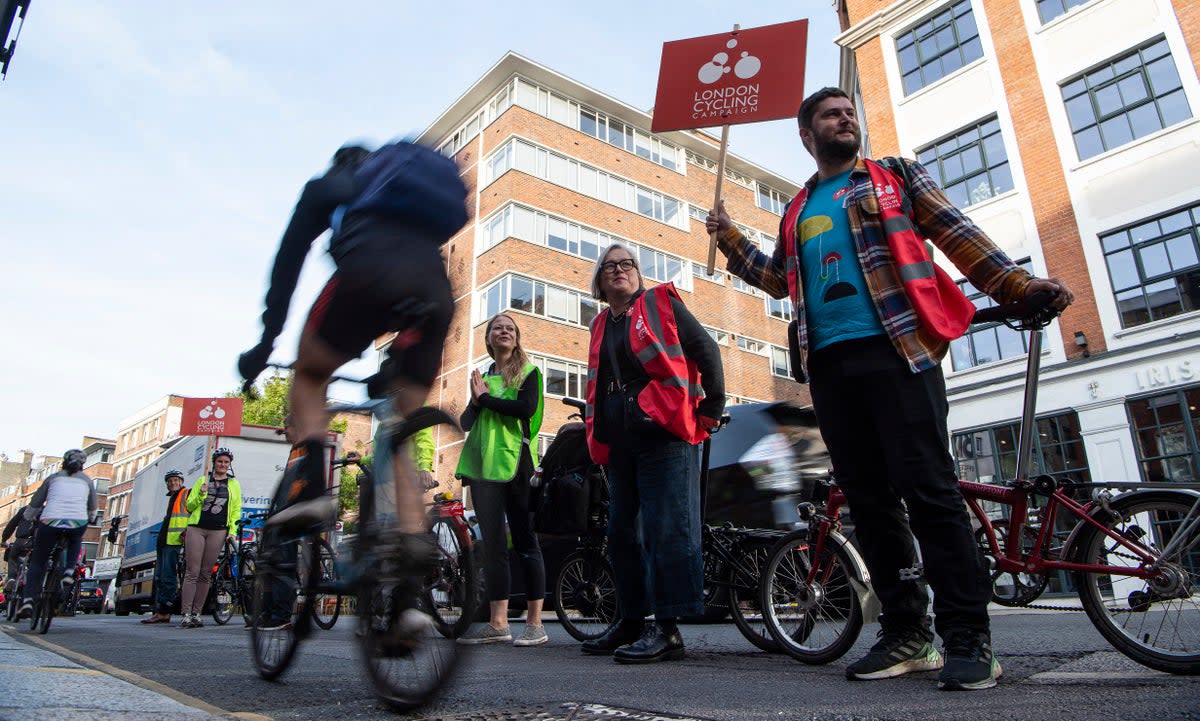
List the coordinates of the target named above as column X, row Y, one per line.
column 40, row 681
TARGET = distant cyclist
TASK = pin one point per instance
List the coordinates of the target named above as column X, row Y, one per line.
column 390, row 211
column 20, row 529
column 63, row 506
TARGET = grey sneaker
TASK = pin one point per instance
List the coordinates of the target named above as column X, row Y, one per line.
column 532, row 636
column 896, row 653
column 485, row 633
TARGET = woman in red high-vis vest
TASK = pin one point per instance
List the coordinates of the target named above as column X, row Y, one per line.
column 655, row 388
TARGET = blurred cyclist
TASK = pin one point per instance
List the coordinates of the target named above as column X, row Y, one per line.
column 65, row 503
column 387, row 255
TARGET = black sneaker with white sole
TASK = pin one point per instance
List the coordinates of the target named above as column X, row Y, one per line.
column 970, row 663
column 898, row 651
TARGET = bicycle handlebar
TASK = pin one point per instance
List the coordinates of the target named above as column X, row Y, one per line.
column 1033, row 310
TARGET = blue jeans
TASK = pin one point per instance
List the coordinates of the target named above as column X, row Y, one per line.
column 654, row 528
column 165, row 579
column 44, row 539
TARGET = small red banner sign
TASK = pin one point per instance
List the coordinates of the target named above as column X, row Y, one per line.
column 741, row 76
column 211, row 417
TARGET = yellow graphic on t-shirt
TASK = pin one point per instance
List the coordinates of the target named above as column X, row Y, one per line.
column 814, row 226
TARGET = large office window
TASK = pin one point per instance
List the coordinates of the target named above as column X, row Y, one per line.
column 971, row 165
column 1050, row 9
column 989, row 455
column 938, row 46
column 986, row 343
column 1164, row 432
column 1164, row 429
column 1155, row 266
column 570, row 173
column 1126, row 98
column 771, row 199
column 537, row 298
column 560, row 377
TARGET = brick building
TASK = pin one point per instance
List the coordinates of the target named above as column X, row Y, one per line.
column 139, row 441
column 1068, row 130
column 12, row 482
column 558, row 170
column 98, row 467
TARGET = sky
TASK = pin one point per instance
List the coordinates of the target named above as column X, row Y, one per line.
column 152, row 152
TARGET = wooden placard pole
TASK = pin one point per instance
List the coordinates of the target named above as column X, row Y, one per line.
column 712, row 241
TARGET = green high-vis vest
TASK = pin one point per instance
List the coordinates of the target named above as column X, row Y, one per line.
column 493, row 447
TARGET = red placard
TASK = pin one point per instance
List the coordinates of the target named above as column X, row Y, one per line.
column 211, row 417
column 742, row 76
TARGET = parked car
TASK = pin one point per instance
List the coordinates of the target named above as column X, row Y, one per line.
column 91, row 596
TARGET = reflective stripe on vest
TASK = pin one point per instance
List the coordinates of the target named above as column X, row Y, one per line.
column 671, row 397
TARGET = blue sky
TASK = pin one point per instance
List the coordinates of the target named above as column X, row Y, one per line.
column 153, row 151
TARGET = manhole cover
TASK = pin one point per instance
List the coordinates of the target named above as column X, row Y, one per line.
column 569, row 711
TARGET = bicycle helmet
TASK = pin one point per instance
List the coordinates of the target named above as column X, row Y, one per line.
column 222, row 451
column 73, row 460
column 173, row 474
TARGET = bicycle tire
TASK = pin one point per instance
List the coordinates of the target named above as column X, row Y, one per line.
column 1158, row 628
column 276, row 574
column 245, row 583
column 224, row 596
column 326, row 606
column 585, row 595
column 453, row 587
column 408, row 666
column 745, row 598
column 817, row 622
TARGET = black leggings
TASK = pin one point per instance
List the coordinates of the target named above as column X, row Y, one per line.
column 493, row 502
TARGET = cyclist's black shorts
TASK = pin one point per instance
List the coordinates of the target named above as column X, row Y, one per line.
column 356, row 305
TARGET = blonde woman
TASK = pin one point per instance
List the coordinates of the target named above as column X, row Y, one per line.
column 497, row 461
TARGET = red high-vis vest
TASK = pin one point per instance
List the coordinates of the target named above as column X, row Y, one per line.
column 673, row 394
column 942, row 309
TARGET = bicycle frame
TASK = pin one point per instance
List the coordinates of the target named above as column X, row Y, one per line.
column 1038, row 559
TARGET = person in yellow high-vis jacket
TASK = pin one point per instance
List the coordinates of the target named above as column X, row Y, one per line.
column 497, row 460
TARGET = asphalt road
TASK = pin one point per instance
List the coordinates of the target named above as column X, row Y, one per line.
column 1056, row 667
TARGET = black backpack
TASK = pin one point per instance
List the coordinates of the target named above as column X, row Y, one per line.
column 574, row 493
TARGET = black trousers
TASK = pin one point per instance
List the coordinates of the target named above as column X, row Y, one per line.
column 887, row 436
column 495, row 502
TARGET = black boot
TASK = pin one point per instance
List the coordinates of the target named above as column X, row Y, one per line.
column 661, row 642
column 626, row 631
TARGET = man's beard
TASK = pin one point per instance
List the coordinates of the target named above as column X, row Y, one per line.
column 835, row 151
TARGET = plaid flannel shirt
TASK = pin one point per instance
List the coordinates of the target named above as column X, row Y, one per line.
column 987, row 267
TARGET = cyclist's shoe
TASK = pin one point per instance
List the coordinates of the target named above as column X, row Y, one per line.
column 67, row 580
column 403, row 635
column 898, row 651
column 485, row 633
column 970, row 663
column 26, row 609
column 305, row 514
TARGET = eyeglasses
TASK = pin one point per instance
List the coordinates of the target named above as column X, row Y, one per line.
column 626, row 264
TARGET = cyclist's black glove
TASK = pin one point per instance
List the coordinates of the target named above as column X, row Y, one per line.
column 253, row 362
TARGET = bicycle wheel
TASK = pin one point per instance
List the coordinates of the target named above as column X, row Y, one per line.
column 406, row 658
column 815, row 622
column 326, row 606
column 46, row 604
column 245, row 584
column 1156, row 621
column 278, row 611
column 453, row 587
column 745, row 598
column 585, row 595
column 224, row 596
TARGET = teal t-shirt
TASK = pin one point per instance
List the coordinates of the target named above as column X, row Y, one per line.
column 836, row 299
